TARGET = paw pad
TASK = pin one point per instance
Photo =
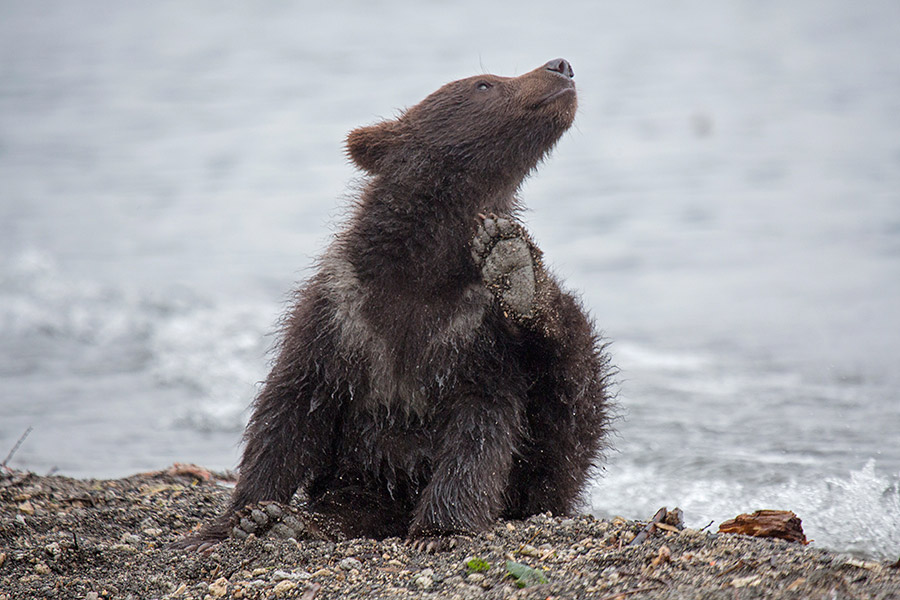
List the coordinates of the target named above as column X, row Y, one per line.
column 502, row 250
column 270, row 520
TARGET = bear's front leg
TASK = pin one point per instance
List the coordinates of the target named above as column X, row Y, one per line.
column 567, row 416
column 478, row 441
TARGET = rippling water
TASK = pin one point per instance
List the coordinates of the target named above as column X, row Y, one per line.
column 728, row 204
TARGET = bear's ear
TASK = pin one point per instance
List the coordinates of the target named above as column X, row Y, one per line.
column 368, row 146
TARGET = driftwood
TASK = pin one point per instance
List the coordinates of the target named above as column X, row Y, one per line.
column 192, row 470
column 650, row 528
column 782, row 524
column 668, row 520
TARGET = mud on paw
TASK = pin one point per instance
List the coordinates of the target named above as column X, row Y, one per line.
column 509, row 264
column 273, row 520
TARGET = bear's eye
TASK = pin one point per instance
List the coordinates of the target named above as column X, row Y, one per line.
column 483, row 85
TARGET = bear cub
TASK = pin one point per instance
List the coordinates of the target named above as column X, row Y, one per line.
column 432, row 375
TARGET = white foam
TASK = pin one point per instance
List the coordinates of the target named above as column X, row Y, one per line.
column 218, row 353
column 37, row 299
column 859, row 513
column 646, row 357
column 213, row 351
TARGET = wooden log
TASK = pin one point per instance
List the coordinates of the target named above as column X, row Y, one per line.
column 782, row 524
column 649, row 528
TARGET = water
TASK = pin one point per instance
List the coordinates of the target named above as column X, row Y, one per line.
column 728, row 204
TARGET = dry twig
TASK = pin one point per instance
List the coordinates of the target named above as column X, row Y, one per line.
column 16, row 447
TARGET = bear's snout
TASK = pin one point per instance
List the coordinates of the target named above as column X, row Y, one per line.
column 561, row 65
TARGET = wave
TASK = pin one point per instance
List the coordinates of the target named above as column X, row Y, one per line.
column 211, row 352
column 858, row 513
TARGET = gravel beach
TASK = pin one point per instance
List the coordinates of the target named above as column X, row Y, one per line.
column 92, row 539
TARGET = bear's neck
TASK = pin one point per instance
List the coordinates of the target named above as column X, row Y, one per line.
column 420, row 238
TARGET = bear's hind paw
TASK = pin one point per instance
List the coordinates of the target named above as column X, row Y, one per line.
column 273, row 520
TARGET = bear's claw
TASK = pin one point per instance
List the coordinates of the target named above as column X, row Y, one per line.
column 433, row 544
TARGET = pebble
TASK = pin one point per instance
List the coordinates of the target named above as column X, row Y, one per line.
column 663, row 556
column 279, row 575
column 218, row 588
column 41, row 569
column 864, row 564
column 284, row 587
column 749, row 581
column 470, row 591
column 52, row 548
column 350, row 563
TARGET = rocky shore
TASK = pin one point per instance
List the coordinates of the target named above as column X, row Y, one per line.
column 93, row 539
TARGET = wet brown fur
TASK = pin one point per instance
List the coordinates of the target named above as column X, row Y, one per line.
column 403, row 402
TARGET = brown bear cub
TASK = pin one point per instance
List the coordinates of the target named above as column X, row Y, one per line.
column 432, row 376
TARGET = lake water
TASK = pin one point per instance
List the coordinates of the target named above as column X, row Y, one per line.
column 727, row 204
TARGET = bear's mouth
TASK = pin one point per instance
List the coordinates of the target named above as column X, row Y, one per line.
column 569, row 89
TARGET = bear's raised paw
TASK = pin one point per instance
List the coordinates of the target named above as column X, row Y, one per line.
column 509, row 264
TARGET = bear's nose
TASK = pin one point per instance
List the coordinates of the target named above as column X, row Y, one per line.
column 560, row 65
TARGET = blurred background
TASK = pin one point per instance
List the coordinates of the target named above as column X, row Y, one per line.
column 727, row 204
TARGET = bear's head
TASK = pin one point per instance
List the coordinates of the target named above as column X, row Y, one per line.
column 487, row 130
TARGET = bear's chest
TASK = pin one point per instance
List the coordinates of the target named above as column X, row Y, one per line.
column 409, row 346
